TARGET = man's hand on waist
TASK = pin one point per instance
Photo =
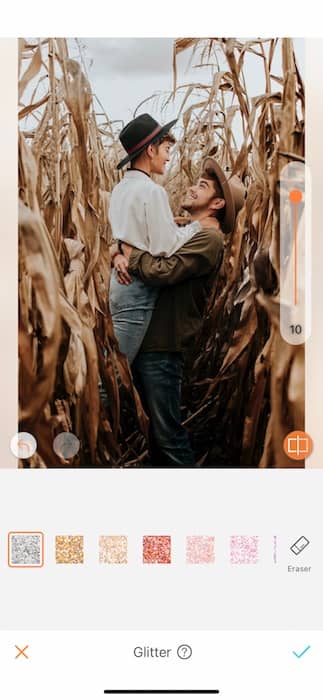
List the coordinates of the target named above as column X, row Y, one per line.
column 126, row 249
column 120, row 253
column 121, row 264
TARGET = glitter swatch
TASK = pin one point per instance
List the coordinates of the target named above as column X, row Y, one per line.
column 200, row 549
column 26, row 549
column 157, row 549
column 69, row 549
column 244, row 550
column 113, row 549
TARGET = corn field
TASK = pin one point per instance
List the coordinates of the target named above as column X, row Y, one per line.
column 244, row 385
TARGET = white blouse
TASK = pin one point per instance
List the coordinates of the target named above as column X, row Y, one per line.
column 140, row 215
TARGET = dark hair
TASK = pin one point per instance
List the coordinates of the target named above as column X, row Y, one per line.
column 209, row 174
column 166, row 137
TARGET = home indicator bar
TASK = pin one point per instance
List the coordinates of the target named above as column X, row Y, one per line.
column 162, row 692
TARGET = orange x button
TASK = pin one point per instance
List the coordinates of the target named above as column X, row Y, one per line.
column 298, row 445
column 21, row 652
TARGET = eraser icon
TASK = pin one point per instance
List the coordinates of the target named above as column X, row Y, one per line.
column 299, row 545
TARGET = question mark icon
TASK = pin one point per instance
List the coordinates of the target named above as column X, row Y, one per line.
column 184, row 651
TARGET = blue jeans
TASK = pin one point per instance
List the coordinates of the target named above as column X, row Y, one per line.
column 131, row 309
column 158, row 376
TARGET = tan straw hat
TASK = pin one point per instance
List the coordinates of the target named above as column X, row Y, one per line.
column 233, row 193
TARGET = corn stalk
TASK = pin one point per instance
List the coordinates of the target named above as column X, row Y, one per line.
column 244, row 386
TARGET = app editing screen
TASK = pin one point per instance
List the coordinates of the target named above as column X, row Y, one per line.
column 161, row 453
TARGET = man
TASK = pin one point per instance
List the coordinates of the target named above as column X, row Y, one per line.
column 185, row 280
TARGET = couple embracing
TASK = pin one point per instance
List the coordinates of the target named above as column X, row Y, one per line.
column 163, row 273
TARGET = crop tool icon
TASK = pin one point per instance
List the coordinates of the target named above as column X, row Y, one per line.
column 298, row 445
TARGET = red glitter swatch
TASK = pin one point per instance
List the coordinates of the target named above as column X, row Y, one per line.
column 157, row 549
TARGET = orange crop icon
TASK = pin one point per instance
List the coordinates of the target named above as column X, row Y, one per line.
column 298, row 445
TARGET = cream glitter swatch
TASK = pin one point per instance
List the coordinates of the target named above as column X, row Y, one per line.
column 69, row 549
column 113, row 549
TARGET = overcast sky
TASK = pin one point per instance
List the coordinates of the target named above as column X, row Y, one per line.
column 123, row 72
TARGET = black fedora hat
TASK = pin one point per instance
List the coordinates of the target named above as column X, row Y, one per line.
column 139, row 133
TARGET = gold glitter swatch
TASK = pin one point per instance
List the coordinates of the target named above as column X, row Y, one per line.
column 69, row 549
column 113, row 549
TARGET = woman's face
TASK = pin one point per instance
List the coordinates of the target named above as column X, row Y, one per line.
column 159, row 157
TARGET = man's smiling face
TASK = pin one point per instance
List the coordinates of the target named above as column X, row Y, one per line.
column 201, row 196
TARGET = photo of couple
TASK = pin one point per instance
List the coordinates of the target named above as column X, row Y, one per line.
column 149, row 253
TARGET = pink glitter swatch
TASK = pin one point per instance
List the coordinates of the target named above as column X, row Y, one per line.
column 157, row 549
column 244, row 550
column 200, row 549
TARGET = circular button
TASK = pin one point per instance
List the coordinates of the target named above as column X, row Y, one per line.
column 184, row 651
column 66, row 445
column 23, row 445
column 298, row 445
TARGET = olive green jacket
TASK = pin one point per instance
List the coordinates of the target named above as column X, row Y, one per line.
column 185, row 280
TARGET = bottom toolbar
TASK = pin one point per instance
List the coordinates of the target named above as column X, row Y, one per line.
column 92, row 665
